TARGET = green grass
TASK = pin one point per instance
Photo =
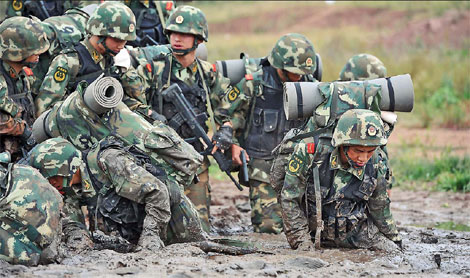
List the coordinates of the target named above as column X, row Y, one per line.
column 447, row 173
column 452, row 226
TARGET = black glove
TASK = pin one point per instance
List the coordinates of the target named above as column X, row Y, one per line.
column 158, row 117
column 223, row 137
column 27, row 137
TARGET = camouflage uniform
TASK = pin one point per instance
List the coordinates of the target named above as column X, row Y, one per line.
column 159, row 68
column 151, row 17
column 30, row 210
column 20, row 38
column 258, row 117
column 354, row 201
column 83, row 61
column 58, row 158
column 76, row 122
column 62, row 32
column 130, row 198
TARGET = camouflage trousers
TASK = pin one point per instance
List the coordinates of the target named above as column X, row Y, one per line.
column 265, row 209
column 199, row 194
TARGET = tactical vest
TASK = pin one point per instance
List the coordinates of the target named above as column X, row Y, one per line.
column 89, row 71
column 23, row 99
column 119, row 213
column 196, row 96
column 344, row 212
column 149, row 29
column 268, row 124
column 44, row 9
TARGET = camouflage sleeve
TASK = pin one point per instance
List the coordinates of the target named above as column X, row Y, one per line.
column 62, row 70
column 133, row 85
column 295, row 183
column 10, row 121
column 379, row 205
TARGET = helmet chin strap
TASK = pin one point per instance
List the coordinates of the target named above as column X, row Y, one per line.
column 350, row 161
column 183, row 52
column 108, row 51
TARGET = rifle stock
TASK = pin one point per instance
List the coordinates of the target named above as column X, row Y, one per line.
column 175, row 95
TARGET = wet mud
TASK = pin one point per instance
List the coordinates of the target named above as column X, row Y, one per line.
column 427, row 252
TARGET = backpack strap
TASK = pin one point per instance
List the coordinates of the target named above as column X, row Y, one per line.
column 208, row 100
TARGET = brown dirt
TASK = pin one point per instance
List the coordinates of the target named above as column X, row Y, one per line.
column 453, row 27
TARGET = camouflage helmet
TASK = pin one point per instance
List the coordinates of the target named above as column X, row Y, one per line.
column 361, row 127
column 112, row 19
column 188, row 20
column 294, row 53
column 21, row 37
column 363, row 67
column 56, row 157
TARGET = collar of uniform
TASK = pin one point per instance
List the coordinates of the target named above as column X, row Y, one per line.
column 97, row 57
column 10, row 70
column 335, row 164
column 192, row 68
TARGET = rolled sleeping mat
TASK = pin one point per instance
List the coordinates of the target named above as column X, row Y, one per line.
column 103, row 94
column 232, row 69
column 39, row 129
column 201, row 52
column 302, row 98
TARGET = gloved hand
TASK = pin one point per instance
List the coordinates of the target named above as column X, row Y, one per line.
column 158, row 117
column 27, row 137
column 223, row 137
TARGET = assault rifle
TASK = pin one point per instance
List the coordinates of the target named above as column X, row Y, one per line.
column 174, row 94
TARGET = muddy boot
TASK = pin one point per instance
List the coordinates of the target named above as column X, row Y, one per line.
column 150, row 237
column 77, row 240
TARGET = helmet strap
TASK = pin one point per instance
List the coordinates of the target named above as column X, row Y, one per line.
column 183, row 52
column 350, row 161
column 108, row 51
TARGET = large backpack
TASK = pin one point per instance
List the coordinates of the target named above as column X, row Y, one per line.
column 337, row 99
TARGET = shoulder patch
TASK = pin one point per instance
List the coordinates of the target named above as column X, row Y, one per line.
column 233, row 94
column 60, row 74
column 17, row 5
column 248, row 76
column 294, row 164
column 149, row 67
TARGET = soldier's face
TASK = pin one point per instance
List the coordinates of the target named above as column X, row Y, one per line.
column 360, row 154
column 115, row 44
column 181, row 40
column 286, row 76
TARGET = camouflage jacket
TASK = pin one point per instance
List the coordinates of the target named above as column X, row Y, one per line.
column 294, row 194
column 62, row 32
column 11, row 111
column 62, row 75
column 29, row 215
column 74, row 121
column 152, row 74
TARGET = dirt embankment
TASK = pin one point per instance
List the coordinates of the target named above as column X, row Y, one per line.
column 402, row 27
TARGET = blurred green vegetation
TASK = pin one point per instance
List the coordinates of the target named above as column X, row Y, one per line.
column 440, row 71
column 452, row 226
column 446, row 173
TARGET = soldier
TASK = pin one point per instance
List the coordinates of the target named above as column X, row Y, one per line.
column 131, row 201
column 75, row 121
column 258, row 99
column 151, row 17
column 110, row 26
column 161, row 66
column 30, row 210
column 22, row 40
column 338, row 183
column 63, row 32
column 59, row 162
column 363, row 67
column 10, row 9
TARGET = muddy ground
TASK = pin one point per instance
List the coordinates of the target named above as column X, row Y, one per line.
column 428, row 252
